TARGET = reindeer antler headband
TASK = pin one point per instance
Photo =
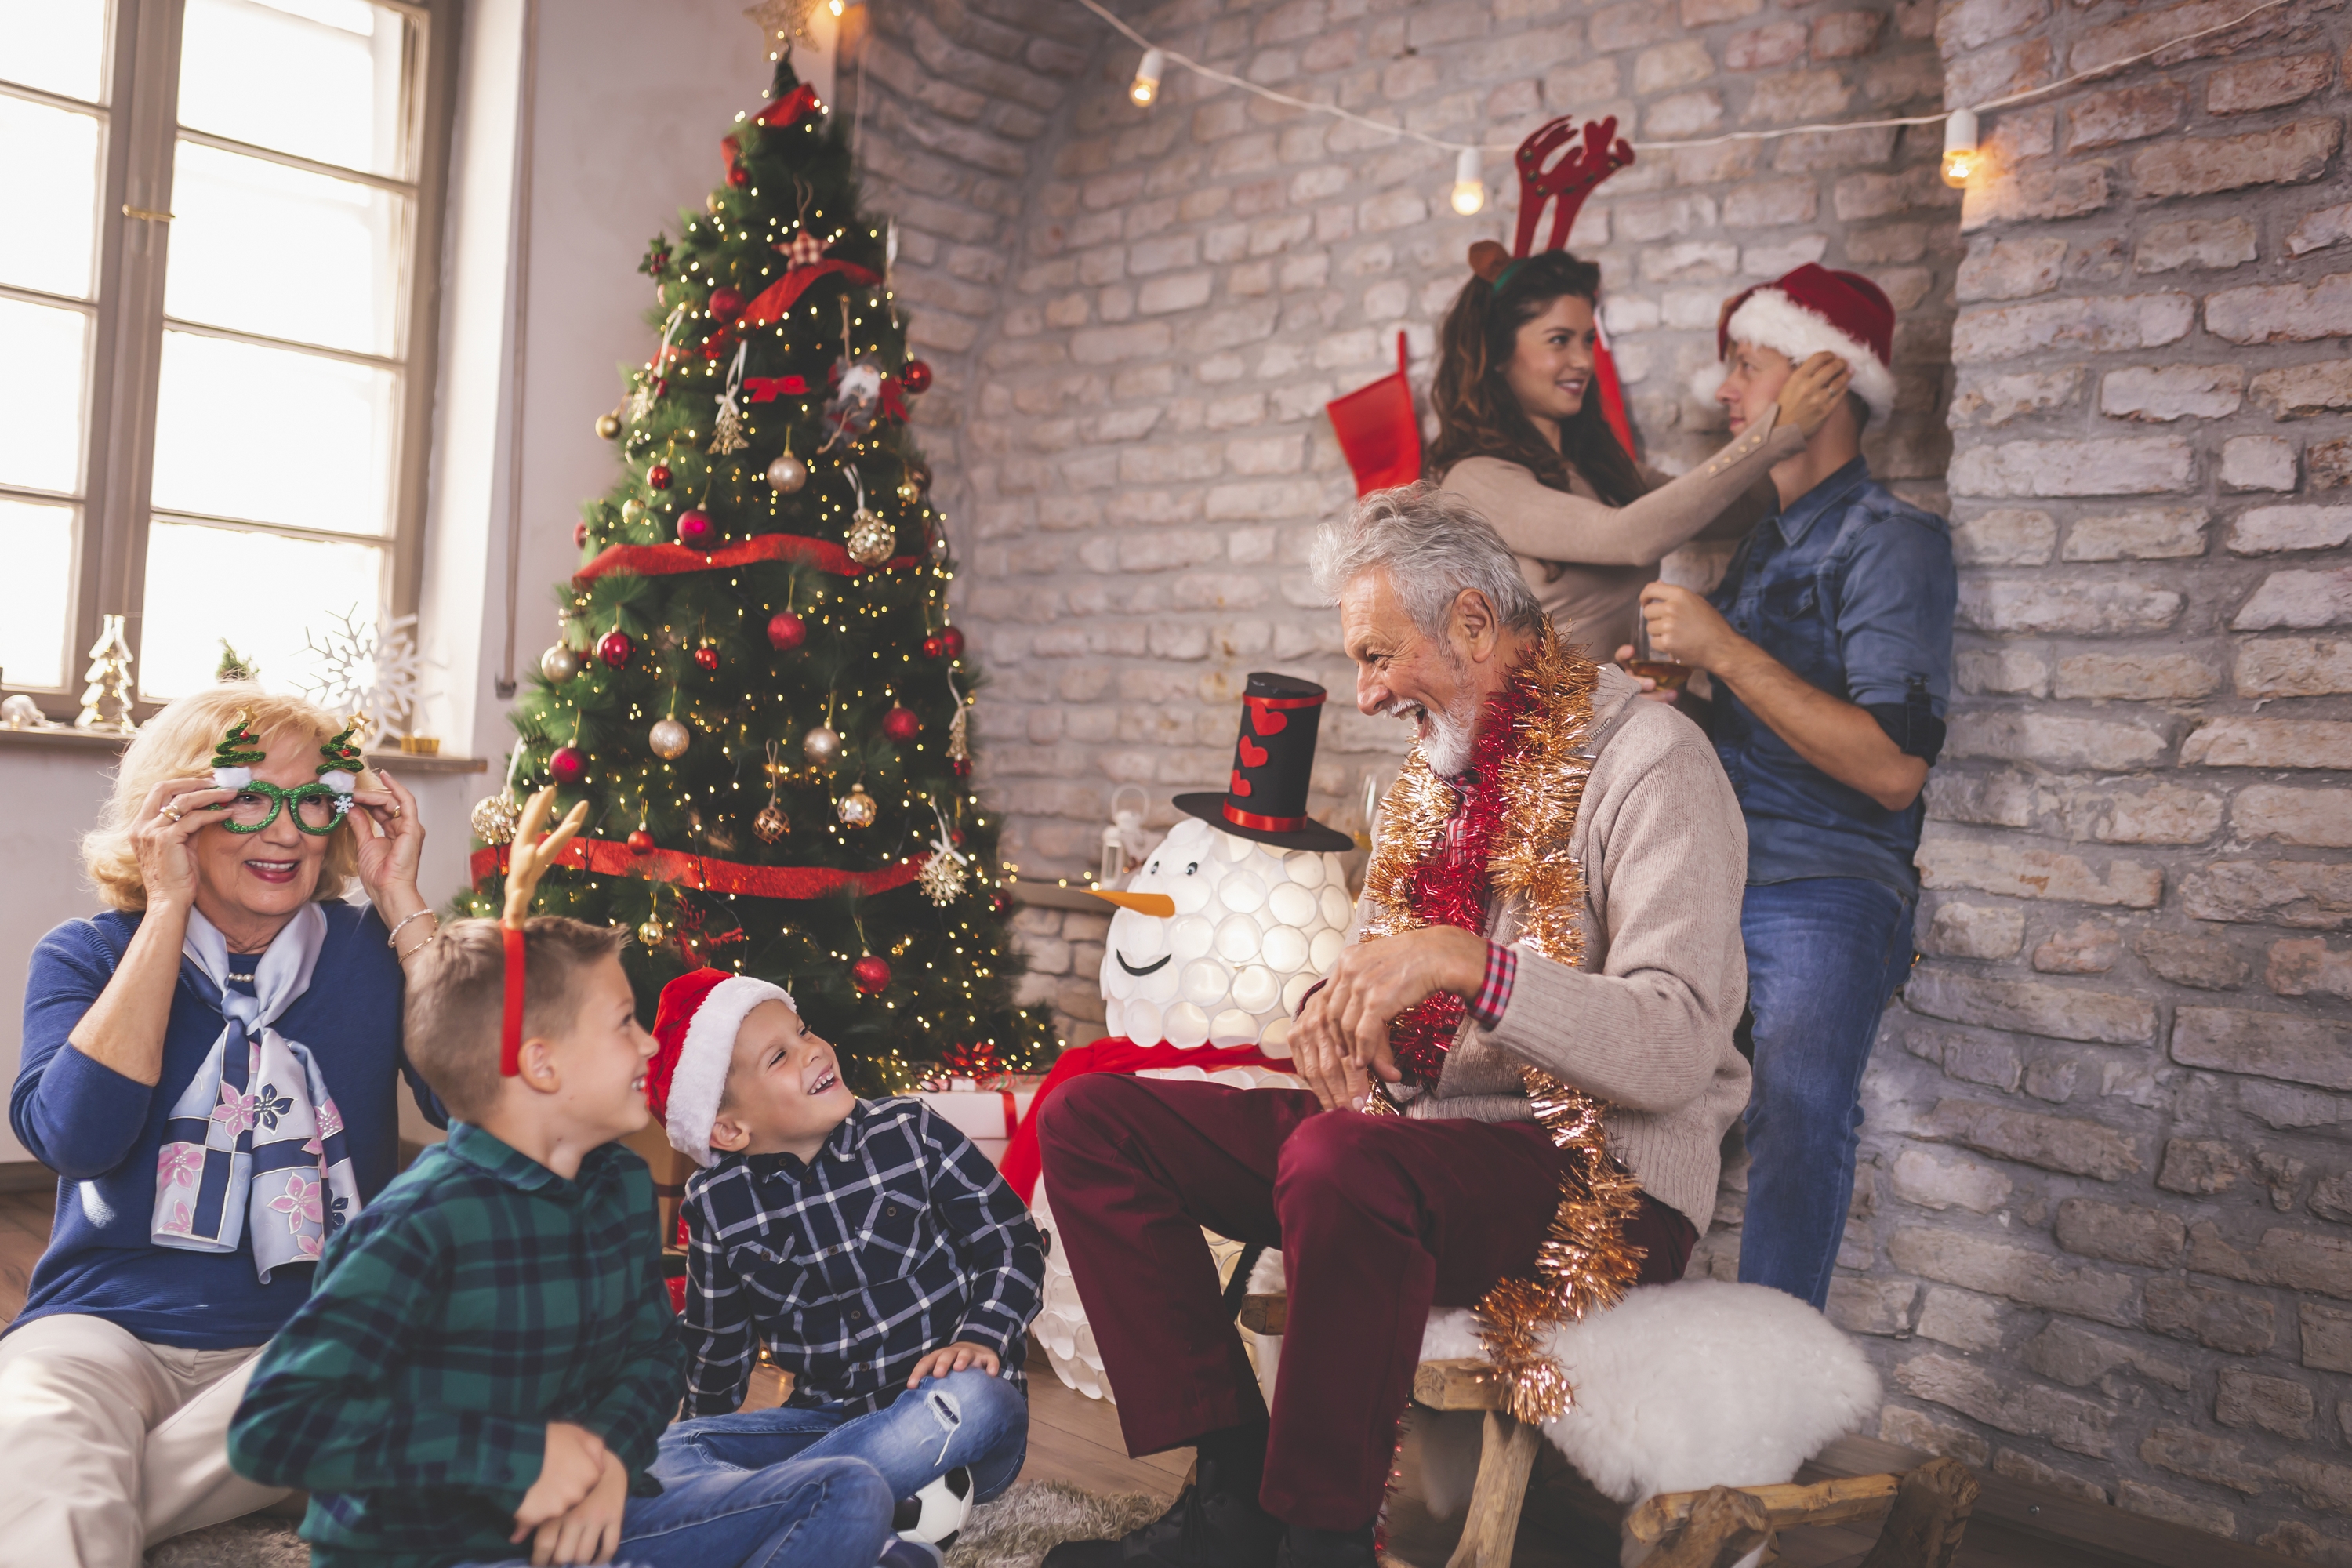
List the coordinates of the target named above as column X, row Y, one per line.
column 527, row 861
column 1565, row 184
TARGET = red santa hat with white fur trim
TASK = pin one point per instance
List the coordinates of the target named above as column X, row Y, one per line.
column 1805, row 312
column 694, row 1036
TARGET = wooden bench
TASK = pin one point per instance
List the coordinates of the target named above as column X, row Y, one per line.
column 1926, row 1509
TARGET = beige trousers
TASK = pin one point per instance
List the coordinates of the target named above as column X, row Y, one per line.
column 109, row 1443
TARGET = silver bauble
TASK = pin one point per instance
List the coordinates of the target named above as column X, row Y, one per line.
column 822, row 746
column 670, row 739
column 558, row 664
column 494, row 818
column 787, row 473
column 856, row 808
column 871, row 540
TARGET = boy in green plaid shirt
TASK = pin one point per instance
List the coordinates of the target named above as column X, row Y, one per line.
column 488, row 1356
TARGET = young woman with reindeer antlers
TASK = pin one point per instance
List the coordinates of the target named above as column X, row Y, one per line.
column 1531, row 427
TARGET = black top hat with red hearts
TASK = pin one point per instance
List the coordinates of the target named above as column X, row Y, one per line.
column 1274, row 761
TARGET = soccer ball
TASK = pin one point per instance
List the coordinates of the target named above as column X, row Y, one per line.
column 934, row 1515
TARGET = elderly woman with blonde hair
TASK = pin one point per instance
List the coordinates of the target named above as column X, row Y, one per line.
column 210, row 1067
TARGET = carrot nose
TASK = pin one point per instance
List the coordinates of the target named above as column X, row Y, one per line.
column 1159, row 904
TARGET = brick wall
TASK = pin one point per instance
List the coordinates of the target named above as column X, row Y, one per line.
column 2110, row 1183
column 2100, row 1235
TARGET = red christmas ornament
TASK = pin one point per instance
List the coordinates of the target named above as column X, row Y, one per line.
column 786, row 631
column 915, row 376
column 569, row 765
column 706, row 658
column 658, row 476
column 934, row 647
column 694, row 528
column 579, row 536
column 615, row 648
column 952, row 640
column 641, row 842
column 725, row 303
column 738, row 176
column 900, row 724
column 871, row 973
column 962, row 767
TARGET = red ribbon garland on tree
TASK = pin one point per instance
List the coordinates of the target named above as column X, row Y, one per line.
column 700, row 873
column 1452, row 886
column 668, row 560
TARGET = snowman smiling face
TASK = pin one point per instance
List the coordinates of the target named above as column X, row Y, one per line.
column 1229, row 936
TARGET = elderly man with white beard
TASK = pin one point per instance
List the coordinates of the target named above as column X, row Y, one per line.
column 1528, row 1042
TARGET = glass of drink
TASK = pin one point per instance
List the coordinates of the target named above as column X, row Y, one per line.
column 1670, row 676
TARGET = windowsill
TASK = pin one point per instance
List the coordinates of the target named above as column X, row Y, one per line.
column 67, row 739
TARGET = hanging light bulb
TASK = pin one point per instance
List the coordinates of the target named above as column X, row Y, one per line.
column 1469, row 182
column 1145, row 86
column 1961, row 158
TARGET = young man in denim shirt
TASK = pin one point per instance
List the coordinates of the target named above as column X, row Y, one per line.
column 1829, row 644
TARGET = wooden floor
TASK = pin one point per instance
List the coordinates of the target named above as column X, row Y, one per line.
column 1565, row 1524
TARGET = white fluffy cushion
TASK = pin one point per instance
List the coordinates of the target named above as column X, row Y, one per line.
column 1694, row 1384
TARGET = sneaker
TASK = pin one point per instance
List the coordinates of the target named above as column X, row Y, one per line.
column 904, row 1553
column 1209, row 1526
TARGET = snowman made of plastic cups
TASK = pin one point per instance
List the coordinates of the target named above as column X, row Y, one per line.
column 1219, row 936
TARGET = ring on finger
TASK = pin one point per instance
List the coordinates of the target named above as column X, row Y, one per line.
column 171, row 811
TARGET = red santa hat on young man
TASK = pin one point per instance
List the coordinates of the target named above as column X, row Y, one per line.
column 1807, row 311
column 694, row 1036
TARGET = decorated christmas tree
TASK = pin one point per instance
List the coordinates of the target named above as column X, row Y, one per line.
column 755, row 686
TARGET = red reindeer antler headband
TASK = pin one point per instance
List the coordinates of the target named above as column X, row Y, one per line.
column 526, row 861
column 1564, row 184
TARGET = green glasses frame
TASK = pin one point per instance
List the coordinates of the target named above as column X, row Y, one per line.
column 278, row 800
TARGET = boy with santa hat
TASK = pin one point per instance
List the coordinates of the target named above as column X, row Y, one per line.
column 873, row 1251
column 1829, row 644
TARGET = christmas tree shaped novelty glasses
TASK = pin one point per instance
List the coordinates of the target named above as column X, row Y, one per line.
column 318, row 806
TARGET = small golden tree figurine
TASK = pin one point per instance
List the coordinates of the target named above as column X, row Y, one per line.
column 105, row 700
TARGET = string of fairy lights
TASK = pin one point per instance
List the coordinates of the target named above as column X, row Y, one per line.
column 1963, row 158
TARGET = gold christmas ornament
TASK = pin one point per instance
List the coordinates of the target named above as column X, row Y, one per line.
column 909, row 491
column 822, row 746
column 632, row 511
column 670, row 739
column 558, row 664
column 856, row 808
column 771, row 824
column 787, row 474
column 870, row 538
column 650, row 932
column 608, row 426
column 942, row 879
column 495, row 817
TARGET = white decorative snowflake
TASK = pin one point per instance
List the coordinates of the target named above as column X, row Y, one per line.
column 368, row 665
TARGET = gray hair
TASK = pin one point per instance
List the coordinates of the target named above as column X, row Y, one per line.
column 1431, row 545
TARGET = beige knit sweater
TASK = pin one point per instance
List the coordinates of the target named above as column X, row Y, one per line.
column 1587, row 561
column 1645, row 1022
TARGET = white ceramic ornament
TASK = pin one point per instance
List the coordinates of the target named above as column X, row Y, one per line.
column 1253, row 928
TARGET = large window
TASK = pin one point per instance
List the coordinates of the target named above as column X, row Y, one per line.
column 216, row 311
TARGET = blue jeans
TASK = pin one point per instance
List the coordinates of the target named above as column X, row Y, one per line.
column 818, row 1513
column 1824, row 953
column 966, row 1418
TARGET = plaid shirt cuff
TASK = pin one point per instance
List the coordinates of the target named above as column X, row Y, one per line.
column 1495, row 995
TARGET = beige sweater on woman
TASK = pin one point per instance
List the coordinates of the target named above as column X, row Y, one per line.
column 1587, row 562
column 1645, row 1022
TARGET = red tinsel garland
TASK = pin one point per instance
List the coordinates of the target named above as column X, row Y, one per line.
column 700, row 872
column 1453, row 886
column 668, row 560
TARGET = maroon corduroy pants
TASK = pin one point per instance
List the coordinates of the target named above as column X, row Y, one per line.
column 1379, row 1219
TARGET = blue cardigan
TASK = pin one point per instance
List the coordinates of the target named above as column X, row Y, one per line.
column 101, row 1132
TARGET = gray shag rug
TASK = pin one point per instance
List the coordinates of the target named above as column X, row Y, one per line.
column 1015, row 1532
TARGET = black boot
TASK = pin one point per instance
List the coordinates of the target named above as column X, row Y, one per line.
column 1306, row 1548
column 1215, row 1522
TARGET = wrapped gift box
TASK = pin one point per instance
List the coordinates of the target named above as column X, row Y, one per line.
column 983, row 1110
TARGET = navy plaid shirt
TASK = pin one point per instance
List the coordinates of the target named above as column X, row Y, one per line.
column 897, row 1238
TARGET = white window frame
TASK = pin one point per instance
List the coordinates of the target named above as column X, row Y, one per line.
column 138, row 128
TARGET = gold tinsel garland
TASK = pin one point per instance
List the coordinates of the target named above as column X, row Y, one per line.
column 1583, row 1262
